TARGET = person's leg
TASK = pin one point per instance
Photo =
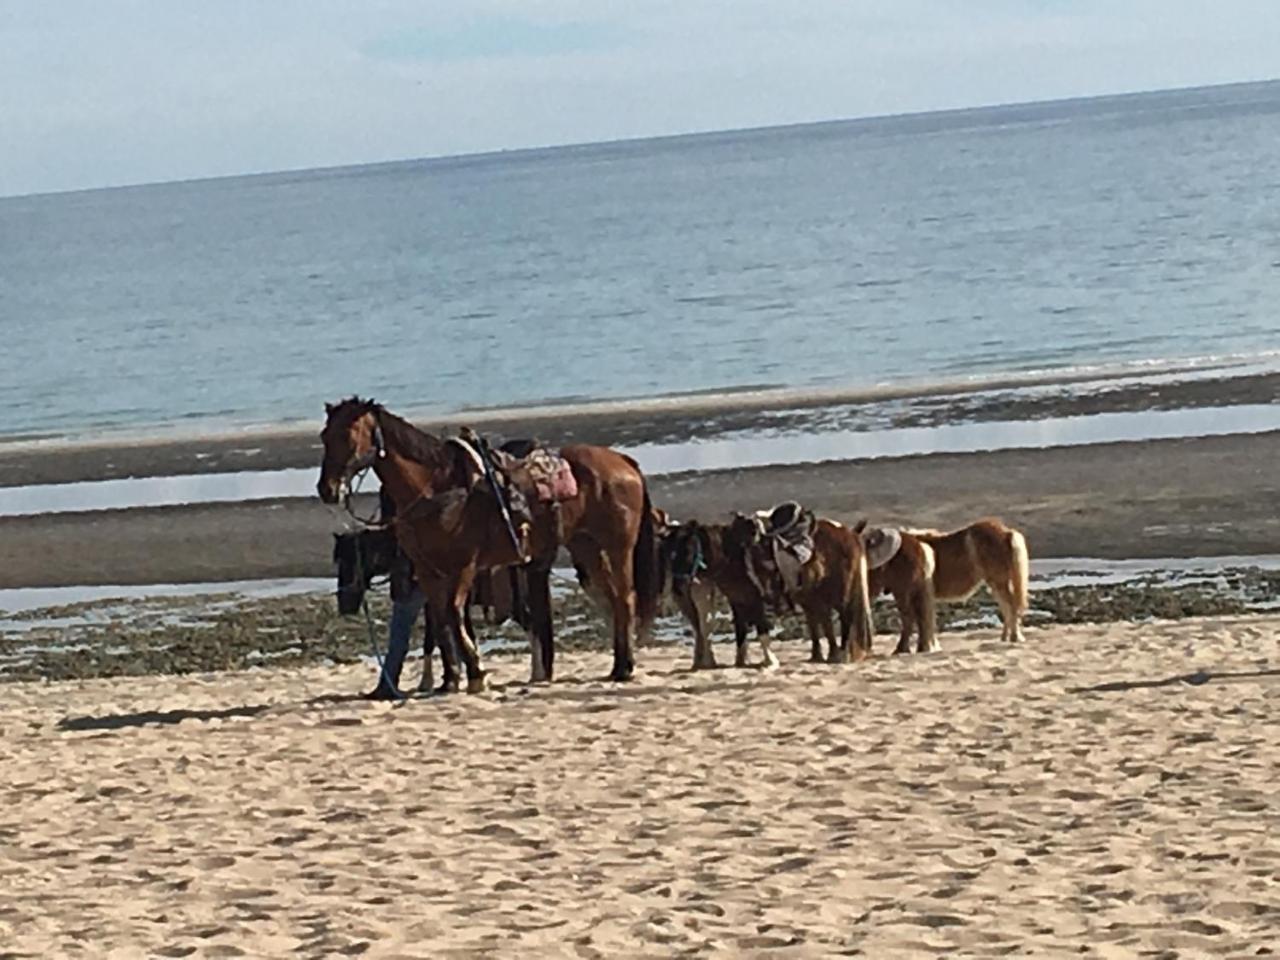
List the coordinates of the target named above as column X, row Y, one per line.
column 404, row 614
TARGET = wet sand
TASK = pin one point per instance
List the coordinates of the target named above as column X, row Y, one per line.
column 662, row 420
column 1162, row 498
column 1102, row 791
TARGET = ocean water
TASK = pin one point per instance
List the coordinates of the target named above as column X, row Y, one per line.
column 962, row 244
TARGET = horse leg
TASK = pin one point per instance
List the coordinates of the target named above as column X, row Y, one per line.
column 836, row 652
column 764, row 633
column 458, row 627
column 687, row 600
column 429, row 629
column 815, row 637
column 739, row 635
column 905, row 606
column 623, row 600
column 926, row 619
column 538, row 622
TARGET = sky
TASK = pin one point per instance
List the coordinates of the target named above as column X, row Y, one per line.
column 109, row 92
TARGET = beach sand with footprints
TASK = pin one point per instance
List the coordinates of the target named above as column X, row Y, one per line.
column 1101, row 791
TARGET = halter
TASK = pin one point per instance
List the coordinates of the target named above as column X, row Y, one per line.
column 696, row 565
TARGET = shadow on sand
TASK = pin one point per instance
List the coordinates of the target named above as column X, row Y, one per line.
column 1196, row 679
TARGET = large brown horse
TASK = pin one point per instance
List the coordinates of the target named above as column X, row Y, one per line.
column 607, row 527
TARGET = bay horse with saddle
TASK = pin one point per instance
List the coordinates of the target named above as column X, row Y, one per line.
column 461, row 510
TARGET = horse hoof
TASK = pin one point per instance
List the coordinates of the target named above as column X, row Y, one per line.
column 476, row 685
column 449, row 686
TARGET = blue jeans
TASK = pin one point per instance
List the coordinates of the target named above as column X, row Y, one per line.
column 404, row 614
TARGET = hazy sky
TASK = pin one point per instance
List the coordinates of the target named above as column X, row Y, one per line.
column 100, row 92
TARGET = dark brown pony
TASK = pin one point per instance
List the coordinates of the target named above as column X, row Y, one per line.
column 908, row 578
column 608, row 527
column 703, row 557
column 832, row 585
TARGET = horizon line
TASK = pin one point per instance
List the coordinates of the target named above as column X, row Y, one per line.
column 678, row 135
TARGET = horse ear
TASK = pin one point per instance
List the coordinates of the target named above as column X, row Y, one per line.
column 860, row 525
column 328, row 408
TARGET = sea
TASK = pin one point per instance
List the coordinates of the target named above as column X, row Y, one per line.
column 1125, row 232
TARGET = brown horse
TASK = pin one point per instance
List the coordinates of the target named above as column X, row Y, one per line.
column 833, row 583
column 450, row 538
column 908, row 575
column 989, row 552
column 703, row 557
column 608, row 526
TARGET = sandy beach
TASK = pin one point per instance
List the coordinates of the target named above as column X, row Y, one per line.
column 1101, row 791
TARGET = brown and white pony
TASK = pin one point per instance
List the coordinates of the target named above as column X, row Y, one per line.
column 607, row 526
column 908, row 577
column 834, row 583
column 932, row 566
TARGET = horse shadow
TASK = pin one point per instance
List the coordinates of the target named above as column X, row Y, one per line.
column 1195, row 679
column 147, row 718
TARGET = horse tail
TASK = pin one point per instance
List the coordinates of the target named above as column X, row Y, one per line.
column 928, row 602
column 860, row 605
column 647, row 567
column 1020, row 572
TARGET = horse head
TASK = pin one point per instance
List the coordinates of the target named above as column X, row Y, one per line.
column 352, row 439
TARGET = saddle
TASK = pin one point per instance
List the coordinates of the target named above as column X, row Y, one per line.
column 787, row 532
column 526, row 465
column 882, row 543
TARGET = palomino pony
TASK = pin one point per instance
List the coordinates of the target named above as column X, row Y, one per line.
column 989, row 552
column 608, row 526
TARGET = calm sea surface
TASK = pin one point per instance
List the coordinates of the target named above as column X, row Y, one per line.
column 938, row 246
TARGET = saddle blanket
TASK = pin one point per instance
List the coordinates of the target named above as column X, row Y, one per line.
column 552, row 476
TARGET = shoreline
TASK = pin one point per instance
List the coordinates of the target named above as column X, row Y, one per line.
column 1189, row 497
column 662, row 420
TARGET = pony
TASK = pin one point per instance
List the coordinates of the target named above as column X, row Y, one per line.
column 986, row 551
column 932, row 566
column 903, row 566
column 831, row 585
column 607, row 525
column 702, row 557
